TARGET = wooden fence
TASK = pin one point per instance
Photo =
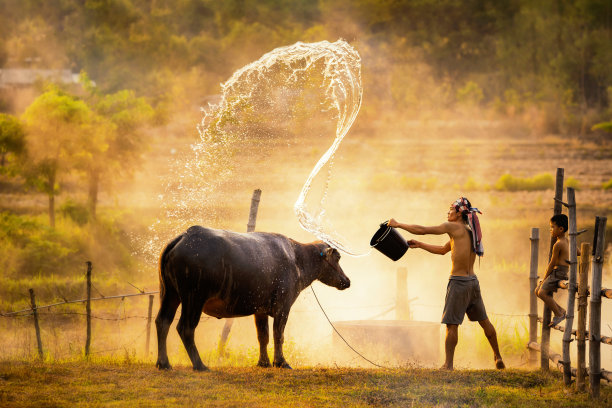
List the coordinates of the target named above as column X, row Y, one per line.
column 573, row 286
column 33, row 311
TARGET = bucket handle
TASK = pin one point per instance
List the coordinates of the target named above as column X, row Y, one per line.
column 384, row 235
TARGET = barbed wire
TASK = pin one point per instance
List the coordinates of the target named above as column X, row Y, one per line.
column 94, row 316
column 29, row 310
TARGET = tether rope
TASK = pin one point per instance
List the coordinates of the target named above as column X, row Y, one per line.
column 342, row 337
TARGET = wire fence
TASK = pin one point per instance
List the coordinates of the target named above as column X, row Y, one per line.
column 54, row 336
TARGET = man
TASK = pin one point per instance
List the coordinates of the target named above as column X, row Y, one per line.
column 463, row 290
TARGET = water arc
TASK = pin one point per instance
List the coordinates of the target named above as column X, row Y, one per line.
column 337, row 68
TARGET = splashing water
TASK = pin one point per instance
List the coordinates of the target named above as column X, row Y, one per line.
column 333, row 70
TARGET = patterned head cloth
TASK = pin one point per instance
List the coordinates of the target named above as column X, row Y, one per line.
column 462, row 205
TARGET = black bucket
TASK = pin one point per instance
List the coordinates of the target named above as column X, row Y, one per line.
column 388, row 241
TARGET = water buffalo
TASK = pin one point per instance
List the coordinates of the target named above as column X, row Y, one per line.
column 229, row 274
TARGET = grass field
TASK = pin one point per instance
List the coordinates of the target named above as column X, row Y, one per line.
column 28, row 384
column 404, row 171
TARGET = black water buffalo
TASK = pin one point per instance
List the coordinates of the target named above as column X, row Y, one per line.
column 229, row 274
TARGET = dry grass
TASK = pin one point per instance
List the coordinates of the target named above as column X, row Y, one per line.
column 24, row 384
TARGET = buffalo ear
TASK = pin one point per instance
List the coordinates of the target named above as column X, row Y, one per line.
column 329, row 252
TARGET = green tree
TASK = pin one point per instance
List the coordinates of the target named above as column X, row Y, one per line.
column 12, row 139
column 57, row 126
column 119, row 121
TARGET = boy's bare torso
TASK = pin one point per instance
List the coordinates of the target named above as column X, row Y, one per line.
column 462, row 255
column 563, row 246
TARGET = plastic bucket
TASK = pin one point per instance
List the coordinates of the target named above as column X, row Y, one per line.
column 388, row 241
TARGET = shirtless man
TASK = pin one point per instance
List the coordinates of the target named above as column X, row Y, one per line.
column 463, row 290
column 558, row 267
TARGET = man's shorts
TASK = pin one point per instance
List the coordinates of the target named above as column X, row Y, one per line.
column 551, row 283
column 463, row 296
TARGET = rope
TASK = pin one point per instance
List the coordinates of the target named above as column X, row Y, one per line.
column 338, row 333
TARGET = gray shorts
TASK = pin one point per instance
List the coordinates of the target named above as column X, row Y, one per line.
column 463, row 296
column 551, row 283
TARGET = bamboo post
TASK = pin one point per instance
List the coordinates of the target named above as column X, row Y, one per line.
column 571, row 290
column 36, row 326
column 595, row 313
column 533, row 303
column 227, row 327
column 546, row 311
column 402, row 311
column 582, row 309
column 88, row 309
column 149, row 324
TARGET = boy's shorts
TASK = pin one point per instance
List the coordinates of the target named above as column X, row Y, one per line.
column 551, row 283
column 463, row 296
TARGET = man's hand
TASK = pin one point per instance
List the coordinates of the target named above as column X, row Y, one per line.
column 414, row 243
column 392, row 223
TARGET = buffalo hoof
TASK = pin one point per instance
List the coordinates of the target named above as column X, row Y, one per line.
column 200, row 367
column 163, row 366
column 282, row 364
column 264, row 364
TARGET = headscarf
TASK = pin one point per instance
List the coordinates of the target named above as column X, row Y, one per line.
column 462, row 205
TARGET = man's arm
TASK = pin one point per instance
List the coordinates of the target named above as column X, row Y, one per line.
column 420, row 229
column 434, row 249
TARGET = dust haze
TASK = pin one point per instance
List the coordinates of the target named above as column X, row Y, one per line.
column 409, row 162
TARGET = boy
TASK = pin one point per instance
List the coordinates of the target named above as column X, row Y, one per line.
column 463, row 290
column 557, row 268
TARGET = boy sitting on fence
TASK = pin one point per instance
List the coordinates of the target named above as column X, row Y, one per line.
column 557, row 268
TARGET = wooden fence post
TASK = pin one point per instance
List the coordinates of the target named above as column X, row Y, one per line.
column 227, row 327
column 585, row 249
column 595, row 312
column 571, row 290
column 533, row 304
column 253, row 212
column 36, row 326
column 149, row 324
column 546, row 311
column 402, row 309
column 88, row 309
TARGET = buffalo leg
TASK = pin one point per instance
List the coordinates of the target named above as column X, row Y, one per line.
column 261, row 323
column 278, row 331
column 165, row 316
column 190, row 317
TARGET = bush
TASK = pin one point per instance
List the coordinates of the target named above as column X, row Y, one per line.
column 573, row 183
column 607, row 185
column 508, row 182
column 75, row 211
column 471, row 94
column 30, row 247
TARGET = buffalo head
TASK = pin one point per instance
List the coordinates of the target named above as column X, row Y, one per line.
column 331, row 273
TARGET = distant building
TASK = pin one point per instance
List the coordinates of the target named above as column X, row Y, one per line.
column 19, row 86
column 26, row 77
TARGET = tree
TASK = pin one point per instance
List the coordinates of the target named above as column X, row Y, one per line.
column 58, row 127
column 119, row 119
column 12, row 139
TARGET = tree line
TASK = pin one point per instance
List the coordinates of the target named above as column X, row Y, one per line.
column 513, row 56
